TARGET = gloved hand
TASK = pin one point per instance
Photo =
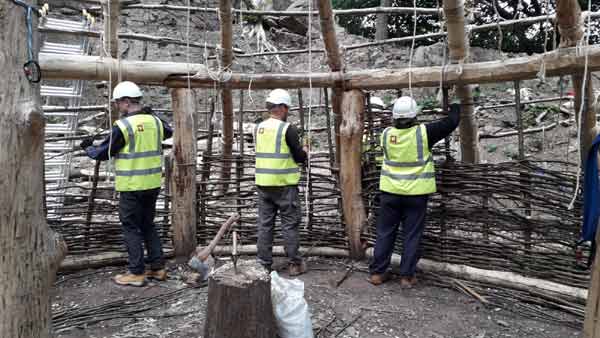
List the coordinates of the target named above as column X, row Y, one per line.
column 455, row 108
column 86, row 143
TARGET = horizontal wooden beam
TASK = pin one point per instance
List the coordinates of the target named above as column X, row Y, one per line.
column 340, row 12
column 131, row 36
column 171, row 74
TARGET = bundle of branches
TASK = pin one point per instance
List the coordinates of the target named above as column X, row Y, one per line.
column 79, row 316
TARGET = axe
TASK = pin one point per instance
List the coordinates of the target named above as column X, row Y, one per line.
column 198, row 262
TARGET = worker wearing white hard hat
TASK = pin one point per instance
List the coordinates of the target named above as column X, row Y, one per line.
column 407, row 179
column 278, row 156
column 376, row 104
column 136, row 145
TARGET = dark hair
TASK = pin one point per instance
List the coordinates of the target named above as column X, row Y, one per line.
column 405, row 123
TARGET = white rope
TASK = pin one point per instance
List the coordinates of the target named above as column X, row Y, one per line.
column 412, row 48
column 582, row 106
column 309, row 134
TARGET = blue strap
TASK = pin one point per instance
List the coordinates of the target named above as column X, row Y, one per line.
column 30, row 9
column 591, row 194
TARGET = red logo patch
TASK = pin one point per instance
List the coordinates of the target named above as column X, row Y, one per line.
column 393, row 139
column 140, row 127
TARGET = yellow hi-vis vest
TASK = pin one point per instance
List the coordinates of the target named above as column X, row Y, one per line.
column 139, row 163
column 275, row 166
column 407, row 162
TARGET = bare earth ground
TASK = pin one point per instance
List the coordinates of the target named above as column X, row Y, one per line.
column 354, row 309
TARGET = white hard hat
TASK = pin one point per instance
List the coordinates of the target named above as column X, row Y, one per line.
column 376, row 104
column 279, row 96
column 405, row 108
column 126, row 89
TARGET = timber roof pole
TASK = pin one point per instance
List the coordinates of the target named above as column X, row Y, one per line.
column 571, row 28
column 226, row 19
column 348, row 135
column 111, row 10
column 172, row 74
column 458, row 44
column 334, row 60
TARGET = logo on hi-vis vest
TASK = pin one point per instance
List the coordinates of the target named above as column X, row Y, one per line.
column 140, row 127
column 393, row 139
column 261, row 130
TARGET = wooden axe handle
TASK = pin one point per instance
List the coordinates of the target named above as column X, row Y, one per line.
column 205, row 252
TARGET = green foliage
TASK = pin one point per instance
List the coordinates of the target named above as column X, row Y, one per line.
column 429, row 102
column 517, row 38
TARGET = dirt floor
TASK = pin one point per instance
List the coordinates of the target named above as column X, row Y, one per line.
column 354, row 309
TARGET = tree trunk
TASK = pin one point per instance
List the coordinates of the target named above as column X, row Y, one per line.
column 459, row 51
column 227, row 58
column 351, row 132
column 381, row 32
column 184, row 174
column 239, row 303
column 30, row 252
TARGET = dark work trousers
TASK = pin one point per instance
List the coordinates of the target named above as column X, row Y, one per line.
column 396, row 209
column 286, row 200
column 136, row 211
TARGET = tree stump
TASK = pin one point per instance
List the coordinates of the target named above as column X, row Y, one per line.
column 239, row 304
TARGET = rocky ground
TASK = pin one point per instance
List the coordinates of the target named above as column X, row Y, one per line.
column 355, row 308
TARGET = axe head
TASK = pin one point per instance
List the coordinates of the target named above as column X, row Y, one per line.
column 202, row 267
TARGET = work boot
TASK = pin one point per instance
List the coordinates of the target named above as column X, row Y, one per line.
column 160, row 275
column 408, row 282
column 130, row 279
column 296, row 269
column 379, row 278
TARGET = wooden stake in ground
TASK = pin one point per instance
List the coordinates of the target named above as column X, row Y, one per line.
column 184, row 172
column 239, row 304
column 351, row 132
column 227, row 58
column 30, row 252
column 459, row 51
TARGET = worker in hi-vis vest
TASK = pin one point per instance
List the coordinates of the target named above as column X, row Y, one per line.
column 278, row 156
column 406, row 181
column 136, row 145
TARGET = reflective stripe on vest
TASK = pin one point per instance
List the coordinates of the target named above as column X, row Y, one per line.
column 275, row 165
column 408, row 167
column 139, row 163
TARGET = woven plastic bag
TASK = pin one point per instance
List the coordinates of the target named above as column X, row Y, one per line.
column 290, row 308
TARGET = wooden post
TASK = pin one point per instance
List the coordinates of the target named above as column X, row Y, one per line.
column 184, row 172
column 111, row 10
column 226, row 20
column 206, row 158
column 239, row 302
column 351, row 132
column 459, row 51
column 30, row 252
column 381, row 32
